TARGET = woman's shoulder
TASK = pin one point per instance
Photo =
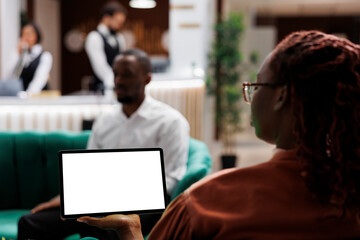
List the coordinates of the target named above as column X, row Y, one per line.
column 281, row 169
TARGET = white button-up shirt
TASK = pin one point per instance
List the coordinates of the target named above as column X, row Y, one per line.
column 94, row 47
column 154, row 124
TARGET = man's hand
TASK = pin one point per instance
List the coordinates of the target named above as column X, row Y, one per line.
column 54, row 202
column 128, row 227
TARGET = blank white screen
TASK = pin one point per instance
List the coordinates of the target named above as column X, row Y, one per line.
column 112, row 181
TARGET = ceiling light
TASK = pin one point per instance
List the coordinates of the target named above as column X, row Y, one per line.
column 144, row 4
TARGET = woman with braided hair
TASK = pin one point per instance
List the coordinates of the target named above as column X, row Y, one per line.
column 322, row 74
column 306, row 101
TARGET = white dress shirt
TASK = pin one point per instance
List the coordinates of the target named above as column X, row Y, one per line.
column 94, row 47
column 154, row 124
column 42, row 72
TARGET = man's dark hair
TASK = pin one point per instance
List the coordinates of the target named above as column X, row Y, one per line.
column 37, row 31
column 141, row 57
column 112, row 7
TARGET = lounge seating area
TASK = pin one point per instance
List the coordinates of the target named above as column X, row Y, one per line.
column 29, row 171
column 179, row 119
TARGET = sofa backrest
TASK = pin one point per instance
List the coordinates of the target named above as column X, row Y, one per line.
column 198, row 166
column 29, row 165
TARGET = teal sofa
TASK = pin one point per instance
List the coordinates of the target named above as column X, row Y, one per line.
column 29, row 171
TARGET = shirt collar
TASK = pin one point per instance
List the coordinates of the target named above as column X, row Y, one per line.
column 103, row 29
column 145, row 108
column 143, row 111
column 36, row 50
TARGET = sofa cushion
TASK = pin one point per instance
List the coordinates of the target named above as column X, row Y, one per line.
column 8, row 222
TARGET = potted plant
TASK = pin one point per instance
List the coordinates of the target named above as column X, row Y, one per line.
column 224, row 83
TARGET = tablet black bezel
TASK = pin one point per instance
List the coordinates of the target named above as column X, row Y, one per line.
column 101, row 214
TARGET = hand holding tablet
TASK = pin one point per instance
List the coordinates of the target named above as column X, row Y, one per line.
column 127, row 226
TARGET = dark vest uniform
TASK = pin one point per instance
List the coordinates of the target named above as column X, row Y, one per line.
column 28, row 72
column 111, row 53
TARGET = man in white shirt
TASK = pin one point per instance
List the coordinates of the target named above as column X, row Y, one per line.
column 137, row 121
column 103, row 44
column 143, row 122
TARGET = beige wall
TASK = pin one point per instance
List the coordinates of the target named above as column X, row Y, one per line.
column 47, row 16
column 297, row 7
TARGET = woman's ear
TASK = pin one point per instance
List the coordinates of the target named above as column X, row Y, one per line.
column 281, row 97
column 148, row 78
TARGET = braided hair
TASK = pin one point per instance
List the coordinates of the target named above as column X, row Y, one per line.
column 322, row 73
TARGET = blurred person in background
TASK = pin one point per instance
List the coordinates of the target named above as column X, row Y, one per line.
column 33, row 65
column 306, row 102
column 136, row 121
column 103, row 44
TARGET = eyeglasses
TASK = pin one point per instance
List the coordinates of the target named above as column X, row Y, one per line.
column 249, row 89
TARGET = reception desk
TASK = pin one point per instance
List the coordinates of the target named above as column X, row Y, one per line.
column 68, row 112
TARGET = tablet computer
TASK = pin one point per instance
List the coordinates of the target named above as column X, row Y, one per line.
column 103, row 182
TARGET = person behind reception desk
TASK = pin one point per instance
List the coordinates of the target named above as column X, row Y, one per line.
column 33, row 65
column 103, row 44
column 306, row 101
column 137, row 121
